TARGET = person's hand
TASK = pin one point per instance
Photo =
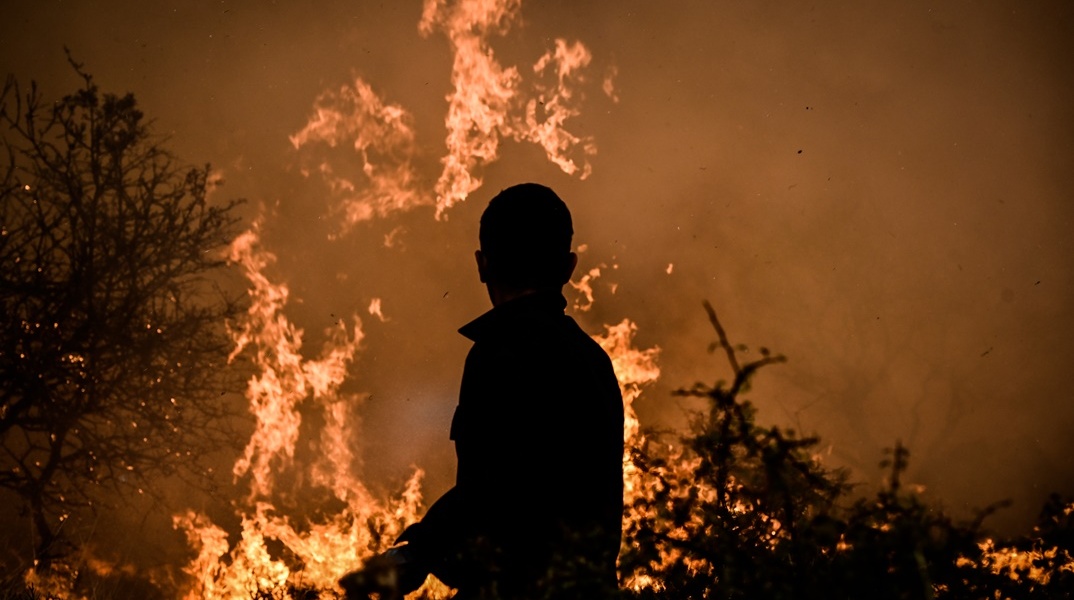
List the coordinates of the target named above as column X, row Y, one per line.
column 392, row 574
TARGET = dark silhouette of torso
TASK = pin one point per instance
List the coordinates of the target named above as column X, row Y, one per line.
column 537, row 505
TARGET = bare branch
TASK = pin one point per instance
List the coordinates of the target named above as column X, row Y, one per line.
column 112, row 339
column 731, row 359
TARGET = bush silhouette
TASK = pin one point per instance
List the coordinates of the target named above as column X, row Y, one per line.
column 734, row 510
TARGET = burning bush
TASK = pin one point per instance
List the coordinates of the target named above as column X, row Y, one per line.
column 111, row 355
column 733, row 509
column 113, row 344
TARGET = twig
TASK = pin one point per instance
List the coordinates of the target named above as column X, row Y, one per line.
column 722, row 335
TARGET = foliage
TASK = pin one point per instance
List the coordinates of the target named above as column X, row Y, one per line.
column 112, row 335
column 112, row 354
column 738, row 510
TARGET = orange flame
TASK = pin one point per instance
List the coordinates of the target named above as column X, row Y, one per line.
column 1028, row 562
column 557, row 104
column 316, row 553
column 584, row 287
column 286, row 378
column 487, row 102
column 383, row 138
column 635, row 369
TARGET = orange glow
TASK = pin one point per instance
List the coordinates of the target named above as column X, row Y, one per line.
column 317, row 552
column 488, row 101
column 913, row 260
column 383, row 139
column 634, row 369
column 584, row 287
column 998, row 559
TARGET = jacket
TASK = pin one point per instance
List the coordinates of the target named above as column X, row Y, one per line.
column 536, row 510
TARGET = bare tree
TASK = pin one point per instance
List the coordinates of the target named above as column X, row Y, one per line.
column 113, row 346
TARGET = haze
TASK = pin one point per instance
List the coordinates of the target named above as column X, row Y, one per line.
column 880, row 191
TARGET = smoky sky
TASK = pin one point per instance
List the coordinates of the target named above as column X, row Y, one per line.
column 880, row 191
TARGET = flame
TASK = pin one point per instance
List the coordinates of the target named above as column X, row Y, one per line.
column 1030, row 563
column 376, row 310
column 634, row 369
column 59, row 579
column 383, row 138
column 316, row 553
column 547, row 113
column 487, row 102
column 286, row 378
column 276, row 552
column 584, row 287
column 478, row 106
column 353, row 126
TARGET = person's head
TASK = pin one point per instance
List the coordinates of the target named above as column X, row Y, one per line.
column 525, row 239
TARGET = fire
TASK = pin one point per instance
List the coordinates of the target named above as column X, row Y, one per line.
column 546, row 114
column 634, row 369
column 366, row 150
column 1027, row 563
column 584, row 287
column 488, row 102
column 484, row 90
column 316, row 553
column 352, row 126
column 376, row 310
column 384, row 141
column 286, row 378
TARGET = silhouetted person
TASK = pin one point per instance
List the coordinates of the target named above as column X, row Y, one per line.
column 537, row 505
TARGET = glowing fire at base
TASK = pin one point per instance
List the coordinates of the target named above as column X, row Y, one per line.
column 488, row 102
column 277, row 552
column 313, row 554
column 1023, row 563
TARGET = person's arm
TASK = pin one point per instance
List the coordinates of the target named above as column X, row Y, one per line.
column 424, row 547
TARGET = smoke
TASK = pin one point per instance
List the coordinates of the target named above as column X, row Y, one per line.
column 877, row 191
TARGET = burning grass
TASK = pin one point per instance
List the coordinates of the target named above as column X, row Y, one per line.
column 728, row 509
column 733, row 509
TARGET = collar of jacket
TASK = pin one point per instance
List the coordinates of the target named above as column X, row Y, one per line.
column 504, row 316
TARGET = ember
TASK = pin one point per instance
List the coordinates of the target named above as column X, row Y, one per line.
column 956, row 341
column 487, row 104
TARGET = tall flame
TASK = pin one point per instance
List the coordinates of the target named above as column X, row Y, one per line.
column 316, row 553
column 547, row 113
column 286, row 378
column 484, row 90
column 635, row 369
column 352, row 126
column 384, row 141
column 487, row 102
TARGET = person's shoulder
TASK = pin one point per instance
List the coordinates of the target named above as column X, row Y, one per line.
column 584, row 341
